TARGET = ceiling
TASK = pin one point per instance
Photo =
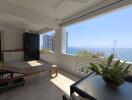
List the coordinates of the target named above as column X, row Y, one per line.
column 38, row 14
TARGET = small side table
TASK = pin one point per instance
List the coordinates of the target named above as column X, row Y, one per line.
column 55, row 68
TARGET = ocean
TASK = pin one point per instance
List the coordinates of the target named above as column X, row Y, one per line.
column 121, row 53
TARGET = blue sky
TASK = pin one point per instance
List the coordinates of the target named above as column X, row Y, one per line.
column 103, row 30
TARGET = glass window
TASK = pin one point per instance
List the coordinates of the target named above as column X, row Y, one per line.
column 103, row 35
column 47, row 42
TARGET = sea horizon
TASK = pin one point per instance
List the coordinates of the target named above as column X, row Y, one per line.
column 121, row 53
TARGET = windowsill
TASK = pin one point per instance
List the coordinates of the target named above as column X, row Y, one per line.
column 47, row 52
column 72, row 55
column 83, row 57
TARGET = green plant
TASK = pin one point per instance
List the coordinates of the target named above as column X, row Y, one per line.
column 113, row 72
column 45, row 50
column 86, row 53
column 1, row 63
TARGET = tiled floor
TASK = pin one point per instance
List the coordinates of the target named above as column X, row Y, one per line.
column 42, row 87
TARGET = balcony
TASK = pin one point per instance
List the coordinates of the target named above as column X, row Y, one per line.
column 20, row 16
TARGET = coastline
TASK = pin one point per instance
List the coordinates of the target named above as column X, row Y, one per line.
column 121, row 53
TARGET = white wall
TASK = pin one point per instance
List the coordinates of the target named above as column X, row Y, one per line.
column 66, row 62
column 13, row 40
column 13, row 56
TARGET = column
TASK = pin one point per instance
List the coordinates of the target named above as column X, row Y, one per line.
column 61, row 40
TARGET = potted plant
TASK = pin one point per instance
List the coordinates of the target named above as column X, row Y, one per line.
column 112, row 72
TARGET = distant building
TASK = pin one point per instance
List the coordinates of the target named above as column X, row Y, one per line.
column 66, row 42
column 53, row 42
column 49, row 41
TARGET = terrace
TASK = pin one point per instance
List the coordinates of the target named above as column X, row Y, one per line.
column 41, row 16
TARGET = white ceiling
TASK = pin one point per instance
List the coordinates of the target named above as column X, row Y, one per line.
column 37, row 14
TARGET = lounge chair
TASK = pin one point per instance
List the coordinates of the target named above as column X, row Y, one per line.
column 11, row 76
column 22, row 72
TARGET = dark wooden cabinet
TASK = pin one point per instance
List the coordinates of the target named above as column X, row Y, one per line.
column 31, row 46
column 0, row 48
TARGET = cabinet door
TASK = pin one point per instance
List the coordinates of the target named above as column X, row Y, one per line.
column 31, row 46
column 0, row 47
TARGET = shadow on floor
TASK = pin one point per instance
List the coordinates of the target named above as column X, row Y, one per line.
column 42, row 87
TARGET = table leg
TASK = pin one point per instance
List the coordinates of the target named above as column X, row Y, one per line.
column 71, row 90
column 56, row 72
column 50, row 72
column 11, row 75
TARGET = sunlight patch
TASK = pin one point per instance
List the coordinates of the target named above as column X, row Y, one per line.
column 34, row 63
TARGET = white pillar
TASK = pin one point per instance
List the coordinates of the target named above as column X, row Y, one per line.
column 61, row 40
